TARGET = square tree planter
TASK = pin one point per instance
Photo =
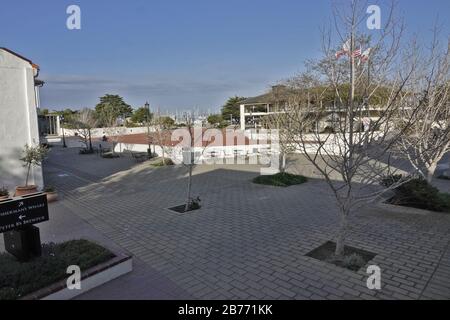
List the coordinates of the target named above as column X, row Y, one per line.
column 180, row 209
column 326, row 253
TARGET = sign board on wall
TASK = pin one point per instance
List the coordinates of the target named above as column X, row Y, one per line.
column 23, row 211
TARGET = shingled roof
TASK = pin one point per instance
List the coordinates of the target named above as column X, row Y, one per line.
column 269, row 97
column 264, row 98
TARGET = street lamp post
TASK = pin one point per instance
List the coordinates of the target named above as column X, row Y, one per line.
column 61, row 118
column 147, row 107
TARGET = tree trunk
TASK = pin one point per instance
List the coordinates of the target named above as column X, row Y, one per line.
column 189, row 188
column 430, row 172
column 344, row 210
column 90, row 141
column 341, row 236
column 282, row 166
column 28, row 174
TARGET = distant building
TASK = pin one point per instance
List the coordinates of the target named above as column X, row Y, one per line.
column 19, row 101
column 49, row 126
column 254, row 110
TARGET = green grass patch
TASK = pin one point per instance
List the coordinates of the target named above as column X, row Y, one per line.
column 19, row 279
column 282, row 179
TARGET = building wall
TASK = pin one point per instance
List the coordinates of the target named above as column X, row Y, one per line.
column 18, row 119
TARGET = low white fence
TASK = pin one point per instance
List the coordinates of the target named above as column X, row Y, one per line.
column 99, row 132
column 201, row 153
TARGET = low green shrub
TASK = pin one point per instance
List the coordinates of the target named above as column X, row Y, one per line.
column 86, row 151
column 418, row 193
column 49, row 189
column 160, row 163
column 4, row 192
column 352, row 261
column 110, row 155
column 445, row 200
column 19, row 279
column 281, row 179
column 389, row 180
column 194, row 203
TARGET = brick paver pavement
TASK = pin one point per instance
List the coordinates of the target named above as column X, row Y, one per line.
column 247, row 241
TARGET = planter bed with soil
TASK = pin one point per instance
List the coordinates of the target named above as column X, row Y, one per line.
column 282, row 179
column 181, row 209
column 354, row 259
column 194, row 204
column 45, row 277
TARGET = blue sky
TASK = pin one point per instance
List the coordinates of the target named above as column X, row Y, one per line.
column 177, row 54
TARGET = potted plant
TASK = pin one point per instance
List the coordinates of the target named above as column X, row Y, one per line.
column 51, row 193
column 32, row 156
column 4, row 194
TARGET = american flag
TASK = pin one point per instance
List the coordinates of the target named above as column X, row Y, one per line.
column 356, row 53
column 365, row 55
column 345, row 50
column 340, row 54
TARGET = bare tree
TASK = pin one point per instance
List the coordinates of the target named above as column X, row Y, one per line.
column 194, row 142
column 428, row 139
column 83, row 122
column 161, row 134
column 194, row 136
column 189, row 161
column 278, row 128
column 358, row 100
column 108, row 118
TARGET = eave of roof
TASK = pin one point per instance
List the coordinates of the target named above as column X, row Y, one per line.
column 35, row 66
column 264, row 98
column 277, row 94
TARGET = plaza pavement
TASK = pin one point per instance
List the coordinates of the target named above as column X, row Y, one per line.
column 246, row 242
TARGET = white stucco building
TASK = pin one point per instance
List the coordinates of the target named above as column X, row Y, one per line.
column 19, row 100
column 253, row 110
